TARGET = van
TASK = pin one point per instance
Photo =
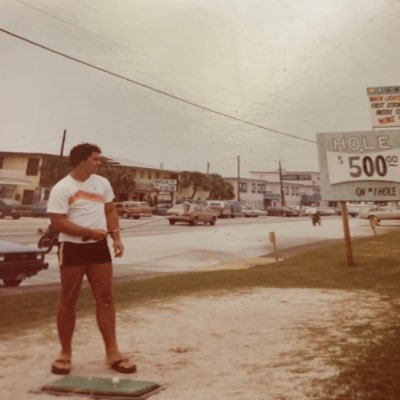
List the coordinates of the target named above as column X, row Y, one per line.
column 223, row 208
column 133, row 209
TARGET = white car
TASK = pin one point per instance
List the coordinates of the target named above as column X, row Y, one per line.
column 380, row 213
column 326, row 210
column 249, row 212
column 261, row 213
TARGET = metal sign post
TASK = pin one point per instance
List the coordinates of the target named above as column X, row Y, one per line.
column 272, row 239
column 347, row 238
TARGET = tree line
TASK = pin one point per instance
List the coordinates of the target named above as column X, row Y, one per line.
column 122, row 178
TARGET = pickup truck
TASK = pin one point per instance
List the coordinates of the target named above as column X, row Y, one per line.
column 19, row 261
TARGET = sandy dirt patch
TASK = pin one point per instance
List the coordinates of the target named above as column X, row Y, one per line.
column 258, row 344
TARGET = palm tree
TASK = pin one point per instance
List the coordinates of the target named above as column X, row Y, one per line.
column 220, row 188
column 122, row 178
column 197, row 180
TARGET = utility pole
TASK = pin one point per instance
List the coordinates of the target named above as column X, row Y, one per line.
column 208, row 168
column 238, row 178
column 61, row 155
column 283, row 203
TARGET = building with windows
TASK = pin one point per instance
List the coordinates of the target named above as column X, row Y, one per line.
column 251, row 191
column 144, row 187
column 265, row 189
column 28, row 177
column 299, row 188
column 23, row 175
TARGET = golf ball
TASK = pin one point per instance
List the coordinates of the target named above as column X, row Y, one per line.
column 115, row 380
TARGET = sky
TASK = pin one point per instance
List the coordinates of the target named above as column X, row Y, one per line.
column 296, row 67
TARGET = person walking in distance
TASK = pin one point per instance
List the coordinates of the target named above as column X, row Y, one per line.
column 81, row 209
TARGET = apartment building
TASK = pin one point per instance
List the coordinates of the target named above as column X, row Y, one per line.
column 28, row 177
column 145, row 177
column 251, row 191
column 299, row 187
column 23, row 175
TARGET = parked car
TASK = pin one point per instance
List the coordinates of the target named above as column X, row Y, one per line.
column 352, row 209
column 283, row 211
column 326, row 211
column 261, row 213
column 249, row 212
column 223, row 208
column 308, row 210
column 133, row 209
column 36, row 209
column 191, row 214
column 380, row 213
column 18, row 261
column 236, row 208
column 11, row 208
column 161, row 209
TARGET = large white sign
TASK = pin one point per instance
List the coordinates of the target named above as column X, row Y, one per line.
column 384, row 103
column 361, row 166
column 165, row 185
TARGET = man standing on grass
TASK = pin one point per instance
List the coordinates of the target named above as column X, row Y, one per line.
column 81, row 209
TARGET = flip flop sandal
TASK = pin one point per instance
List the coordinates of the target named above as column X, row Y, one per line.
column 64, row 370
column 117, row 366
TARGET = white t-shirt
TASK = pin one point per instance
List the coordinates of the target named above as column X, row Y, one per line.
column 82, row 202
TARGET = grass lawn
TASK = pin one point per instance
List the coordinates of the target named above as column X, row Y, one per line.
column 371, row 372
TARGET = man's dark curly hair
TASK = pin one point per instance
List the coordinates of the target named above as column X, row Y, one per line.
column 82, row 152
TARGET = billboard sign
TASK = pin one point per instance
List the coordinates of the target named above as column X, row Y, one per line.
column 384, row 104
column 165, row 185
column 360, row 166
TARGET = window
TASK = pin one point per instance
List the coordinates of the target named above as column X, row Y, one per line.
column 32, row 168
column 141, row 173
column 1, row 162
column 243, row 187
column 253, row 188
column 157, row 175
column 149, row 174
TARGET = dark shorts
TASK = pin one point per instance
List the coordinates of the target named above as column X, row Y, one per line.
column 70, row 254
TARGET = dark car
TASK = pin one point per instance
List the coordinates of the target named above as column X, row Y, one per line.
column 11, row 208
column 36, row 209
column 283, row 211
column 161, row 209
column 19, row 261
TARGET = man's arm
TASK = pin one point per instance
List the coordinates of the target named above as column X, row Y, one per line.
column 60, row 223
column 113, row 228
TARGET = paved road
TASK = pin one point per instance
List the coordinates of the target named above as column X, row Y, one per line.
column 153, row 246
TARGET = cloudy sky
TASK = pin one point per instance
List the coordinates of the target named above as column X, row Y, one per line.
column 294, row 66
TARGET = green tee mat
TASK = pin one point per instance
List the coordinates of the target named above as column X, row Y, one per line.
column 101, row 388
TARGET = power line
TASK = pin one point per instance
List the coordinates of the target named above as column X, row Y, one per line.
column 64, row 21
column 162, row 92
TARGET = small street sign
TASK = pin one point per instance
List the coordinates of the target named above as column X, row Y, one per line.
column 384, row 103
column 165, row 185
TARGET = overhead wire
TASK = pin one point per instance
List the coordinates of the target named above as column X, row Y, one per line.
column 64, row 21
column 159, row 91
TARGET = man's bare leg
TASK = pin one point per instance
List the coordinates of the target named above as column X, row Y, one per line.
column 71, row 282
column 100, row 278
